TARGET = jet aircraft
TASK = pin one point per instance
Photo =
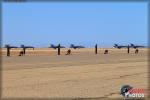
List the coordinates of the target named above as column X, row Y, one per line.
column 137, row 46
column 23, row 46
column 121, row 46
column 8, row 46
column 75, row 47
column 55, row 47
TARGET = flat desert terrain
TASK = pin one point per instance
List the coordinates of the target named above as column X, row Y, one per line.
column 41, row 73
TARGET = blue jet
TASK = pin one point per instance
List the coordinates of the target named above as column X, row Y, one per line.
column 8, row 46
column 55, row 47
column 75, row 47
column 137, row 46
column 121, row 46
column 23, row 46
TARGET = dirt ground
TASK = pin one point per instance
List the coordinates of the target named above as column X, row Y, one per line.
column 44, row 74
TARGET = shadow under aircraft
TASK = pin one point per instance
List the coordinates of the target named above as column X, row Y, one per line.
column 137, row 46
column 75, row 47
column 56, row 46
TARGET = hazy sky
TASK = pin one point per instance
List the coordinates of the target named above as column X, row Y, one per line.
column 86, row 23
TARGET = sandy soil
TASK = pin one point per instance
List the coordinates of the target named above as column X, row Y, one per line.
column 42, row 73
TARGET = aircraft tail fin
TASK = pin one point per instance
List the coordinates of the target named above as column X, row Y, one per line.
column 132, row 44
column 7, row 45
column 115, row 45
column 22, row 46
column 52, row 46
column 72, row 45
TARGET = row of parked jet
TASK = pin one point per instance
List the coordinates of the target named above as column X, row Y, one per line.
column 51, row 46
column 79, row 46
